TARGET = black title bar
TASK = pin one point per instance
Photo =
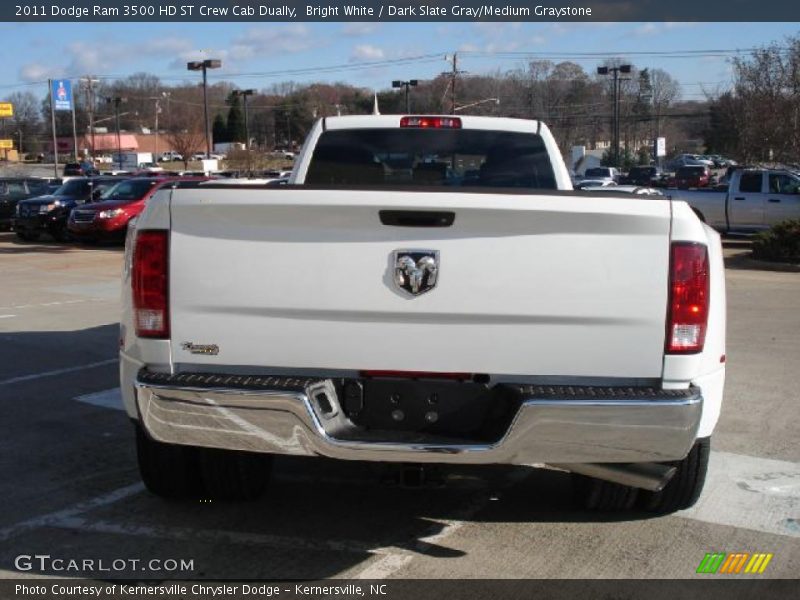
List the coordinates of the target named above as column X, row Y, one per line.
column 398, row 11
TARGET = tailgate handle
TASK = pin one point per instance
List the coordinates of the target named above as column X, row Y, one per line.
column 417, row 218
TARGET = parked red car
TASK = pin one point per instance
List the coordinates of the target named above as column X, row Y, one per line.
column 108, row 219
column 692, row 177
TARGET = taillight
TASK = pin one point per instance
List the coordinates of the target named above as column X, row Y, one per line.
column 149, row 276
column 688, row 298
column 431, row 122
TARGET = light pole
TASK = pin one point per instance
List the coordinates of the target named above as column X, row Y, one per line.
column 616, row 71
column 204, row 66
column 116, row 101
column 244, row 94
column 406, row 84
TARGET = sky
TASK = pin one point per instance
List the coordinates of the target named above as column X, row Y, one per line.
column 371, row 55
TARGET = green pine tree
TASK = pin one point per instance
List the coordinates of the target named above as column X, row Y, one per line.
column 235, row 120
column 219, row 130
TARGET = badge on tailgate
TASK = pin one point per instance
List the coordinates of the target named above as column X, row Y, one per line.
column 416, row 271
column 206, row 349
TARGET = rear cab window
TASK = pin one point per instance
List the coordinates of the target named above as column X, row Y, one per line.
column 783, row 183
column 431, row 157
column 751, row 182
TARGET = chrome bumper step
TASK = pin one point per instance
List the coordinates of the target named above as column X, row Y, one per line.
column 303, row 416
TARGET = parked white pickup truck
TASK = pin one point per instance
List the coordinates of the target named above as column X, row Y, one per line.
column 756, row 199
column 430, row 290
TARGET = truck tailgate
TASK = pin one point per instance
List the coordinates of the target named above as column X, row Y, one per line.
column 551, row 285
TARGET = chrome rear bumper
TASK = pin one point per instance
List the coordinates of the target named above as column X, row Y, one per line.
column 281, row 416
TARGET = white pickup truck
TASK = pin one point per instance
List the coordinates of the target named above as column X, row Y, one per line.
column 755, row 199
column 428, row 289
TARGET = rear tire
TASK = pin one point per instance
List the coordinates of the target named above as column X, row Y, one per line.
column 231, row 475
column 60, row 234
column 167, row 470
column 685, row 487
column 28, row 237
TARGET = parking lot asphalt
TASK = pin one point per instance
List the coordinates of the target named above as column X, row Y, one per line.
column 70, row 487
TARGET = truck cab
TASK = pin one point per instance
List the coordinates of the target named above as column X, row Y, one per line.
column 765, row 197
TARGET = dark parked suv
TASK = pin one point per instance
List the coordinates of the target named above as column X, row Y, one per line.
column 48, row 214
column 79, row 169
column 648, row 176
column 14, row 189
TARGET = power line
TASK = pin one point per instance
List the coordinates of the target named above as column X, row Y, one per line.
column 433, row 57
column 621, row 53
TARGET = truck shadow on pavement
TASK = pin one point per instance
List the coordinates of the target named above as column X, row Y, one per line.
column 11, row 244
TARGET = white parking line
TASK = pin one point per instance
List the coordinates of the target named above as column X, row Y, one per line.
column 750, row 493
column 57, row 303
column 218, row 536
column 7, row 316
column 385, row 567
column 63, row 371
column 51, row 519
column 106, row 399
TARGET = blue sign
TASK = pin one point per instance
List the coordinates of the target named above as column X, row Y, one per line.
column 62, row 94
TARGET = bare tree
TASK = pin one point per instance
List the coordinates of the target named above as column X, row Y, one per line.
column 765, row 103
column 25, row 124
column 666, row 91
column 188, row 137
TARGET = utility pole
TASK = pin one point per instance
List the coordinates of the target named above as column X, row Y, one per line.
column 453, row 74
column 88, row 83
column 453, row 89
column 289, row 129
column 116, row 101
column 616, row 118
column 74, row 132
column 158, row 112
column 53, row 123
column 167, row 95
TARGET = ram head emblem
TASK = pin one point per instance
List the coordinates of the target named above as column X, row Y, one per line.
column 416, row 271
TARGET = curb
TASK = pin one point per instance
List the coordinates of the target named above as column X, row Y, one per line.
column 743, row 261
